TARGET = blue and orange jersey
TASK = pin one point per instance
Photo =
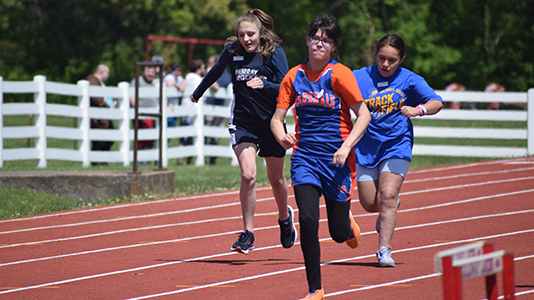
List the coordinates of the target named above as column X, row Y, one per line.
column 322, row 102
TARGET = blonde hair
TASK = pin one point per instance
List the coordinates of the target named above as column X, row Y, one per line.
column 266, row 26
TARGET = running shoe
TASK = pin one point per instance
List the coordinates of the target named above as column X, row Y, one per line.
column 354, row 238
column 377, row 225
column 288, row 232
column 245, row 242
column 315, row 295
column 384, row 257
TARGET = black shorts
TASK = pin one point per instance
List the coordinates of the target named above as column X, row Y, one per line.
column 264, row 140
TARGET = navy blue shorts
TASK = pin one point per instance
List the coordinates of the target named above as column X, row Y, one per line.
column 265, row 141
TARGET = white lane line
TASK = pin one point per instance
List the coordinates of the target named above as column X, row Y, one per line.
column 124, row 205
column 469, row 165
column 327, row 263
column 456, row 176
column 522, row 293
column 369, row 287
column 129, row 218
column 256, row 276
column 237, row 203
column 233, row 232
column 234, row 192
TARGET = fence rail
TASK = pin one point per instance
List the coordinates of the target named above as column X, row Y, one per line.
column 82, row 134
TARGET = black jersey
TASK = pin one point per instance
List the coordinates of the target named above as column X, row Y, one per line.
column 252, row 109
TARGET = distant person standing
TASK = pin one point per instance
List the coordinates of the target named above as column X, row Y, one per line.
column 222, row 82
column 454, row 87
column 146, row 80
column 175, row 79
column 197, row 70
column 98, row 78
column 493, row 88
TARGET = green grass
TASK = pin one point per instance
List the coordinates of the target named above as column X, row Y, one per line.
column 189, row 179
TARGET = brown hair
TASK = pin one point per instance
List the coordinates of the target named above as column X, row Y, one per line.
column 266, row 26
column 392, row 40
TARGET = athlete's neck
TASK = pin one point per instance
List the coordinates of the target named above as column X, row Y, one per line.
column 316, row 65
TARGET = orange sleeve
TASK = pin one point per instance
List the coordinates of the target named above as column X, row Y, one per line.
column 286, row 94
column 345, row 85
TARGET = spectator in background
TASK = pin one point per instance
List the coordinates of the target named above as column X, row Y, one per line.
column 197, row 69
column 491, row 88
column 98, row 78
column 454, row 87
column 222, row 82
column 157, row 59
column 174, row 79
column 146, row 80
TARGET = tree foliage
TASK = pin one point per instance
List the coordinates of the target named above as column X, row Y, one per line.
column 466, row 41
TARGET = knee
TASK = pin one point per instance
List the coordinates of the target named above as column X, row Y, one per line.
column 369, row 207
column 339, row 231
column 388, row 200
column 248, row 176
column 338, row 236
column 278, row 180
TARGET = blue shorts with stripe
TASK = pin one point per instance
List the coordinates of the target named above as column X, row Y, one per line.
column 336, row 182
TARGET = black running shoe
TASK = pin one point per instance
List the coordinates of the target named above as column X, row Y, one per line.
column 245, row 242
column 288, row 232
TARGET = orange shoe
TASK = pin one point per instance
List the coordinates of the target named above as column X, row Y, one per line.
column 354, row 238
column 315, row 295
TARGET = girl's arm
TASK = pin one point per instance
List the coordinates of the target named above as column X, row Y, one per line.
column 280, row 67
column 286, row 140
column 431, row 107
column 362, row 120
column 215, row 72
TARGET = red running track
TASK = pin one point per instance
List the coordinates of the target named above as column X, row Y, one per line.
column 179, row 248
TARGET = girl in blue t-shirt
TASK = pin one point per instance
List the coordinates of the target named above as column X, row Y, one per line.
column 257, row 65
column 393, row 96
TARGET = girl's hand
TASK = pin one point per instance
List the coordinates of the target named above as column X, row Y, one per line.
column 340, row 157
column 288, row 141
column 410, row 112
column 193, row 99
column 255, row 83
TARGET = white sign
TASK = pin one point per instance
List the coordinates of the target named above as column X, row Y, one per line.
column 480, row 266
column 461, row 252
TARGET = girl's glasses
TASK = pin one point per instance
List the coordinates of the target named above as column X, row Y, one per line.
column 326, row 42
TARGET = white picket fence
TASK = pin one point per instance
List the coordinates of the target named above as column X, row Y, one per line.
column 123, row 135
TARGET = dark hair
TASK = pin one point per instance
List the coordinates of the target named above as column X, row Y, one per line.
column 330, row 26
column 265, row 25
column 392, row 40
column 194, row 65
column 174, row 66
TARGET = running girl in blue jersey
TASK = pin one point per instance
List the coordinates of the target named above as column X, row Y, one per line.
column 393, row 96
column 257, row 65
column 323, row 92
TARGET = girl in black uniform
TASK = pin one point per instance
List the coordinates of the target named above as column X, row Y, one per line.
column 258, row 65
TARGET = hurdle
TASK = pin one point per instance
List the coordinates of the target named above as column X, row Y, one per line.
column 472, row 261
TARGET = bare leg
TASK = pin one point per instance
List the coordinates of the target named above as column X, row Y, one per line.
column 381, row 196
column 275, row 173
column 246, row 155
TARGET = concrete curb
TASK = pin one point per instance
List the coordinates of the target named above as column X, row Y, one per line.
column 92, row 185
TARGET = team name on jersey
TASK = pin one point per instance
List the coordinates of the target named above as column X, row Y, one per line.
column 385, row 102
column 315, row 98
column 246, row 74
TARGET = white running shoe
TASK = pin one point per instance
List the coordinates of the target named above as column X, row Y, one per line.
column 384, row 257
